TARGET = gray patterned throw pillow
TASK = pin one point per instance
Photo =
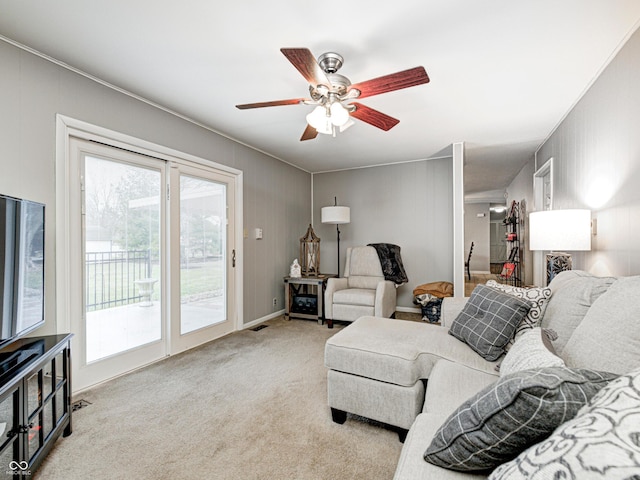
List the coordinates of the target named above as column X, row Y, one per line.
column 488, row 321
column 519, row 410
column 601, row 442
column 538, row 296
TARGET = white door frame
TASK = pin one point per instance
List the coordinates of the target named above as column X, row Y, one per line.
column 88, row 373
column 67, row 127
column 541, row 203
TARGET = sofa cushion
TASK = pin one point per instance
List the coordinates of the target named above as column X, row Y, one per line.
column 608, row 338
column 601, row 441
column 538, row 296
column 355, row 296
column 519, row 410
column 533, row 349
column 364, row 269
column 411, row 465
column 572, row 294
column 396, row 351
column 450, row 384
column 488, row 321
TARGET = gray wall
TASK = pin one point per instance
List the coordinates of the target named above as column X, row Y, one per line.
column 34, row 90
column 476, row 230
column 596, row 152
column 408, row 204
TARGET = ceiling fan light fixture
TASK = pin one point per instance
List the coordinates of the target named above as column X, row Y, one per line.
column 317, row 116
column 328, row 90
column 346, row 125
column 320, row 120
column 339, row 114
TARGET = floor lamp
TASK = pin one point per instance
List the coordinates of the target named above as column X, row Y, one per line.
column 336, row 215
column 558, row 231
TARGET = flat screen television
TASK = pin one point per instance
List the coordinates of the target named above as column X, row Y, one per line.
column 21, row 267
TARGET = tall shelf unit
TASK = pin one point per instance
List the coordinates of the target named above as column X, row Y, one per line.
column 512, row 267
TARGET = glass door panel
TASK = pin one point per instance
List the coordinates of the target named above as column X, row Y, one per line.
column 202, row 267
column 122, row 257
column 202, row 253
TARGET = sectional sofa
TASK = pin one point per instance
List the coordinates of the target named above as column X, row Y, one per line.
column 525, row 400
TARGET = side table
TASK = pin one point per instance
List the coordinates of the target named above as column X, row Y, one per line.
column 304, row 297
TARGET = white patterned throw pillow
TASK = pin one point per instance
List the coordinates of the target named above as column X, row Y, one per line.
column 538, row 296
column 601, row 442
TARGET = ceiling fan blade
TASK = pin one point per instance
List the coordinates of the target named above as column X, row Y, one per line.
column 389, row 83
column 304, row 61
column 309, row 133
column 275, row 103
column 374, row 117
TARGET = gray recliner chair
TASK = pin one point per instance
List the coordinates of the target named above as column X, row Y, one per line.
column 362, row 291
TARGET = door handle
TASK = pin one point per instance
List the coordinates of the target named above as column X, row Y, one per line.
column 233, row 258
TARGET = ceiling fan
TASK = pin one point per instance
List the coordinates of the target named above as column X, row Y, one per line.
column 328, row 91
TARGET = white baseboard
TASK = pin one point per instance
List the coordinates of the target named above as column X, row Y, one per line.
column 281, row 312
column 258, row 321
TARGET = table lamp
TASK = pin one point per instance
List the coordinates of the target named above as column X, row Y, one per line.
column 559, row 231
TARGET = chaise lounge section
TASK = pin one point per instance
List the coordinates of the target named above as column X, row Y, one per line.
column 413, row 375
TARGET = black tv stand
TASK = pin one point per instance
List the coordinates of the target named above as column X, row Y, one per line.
column 35, row 401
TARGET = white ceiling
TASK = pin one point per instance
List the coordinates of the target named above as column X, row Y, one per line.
column 503, row 72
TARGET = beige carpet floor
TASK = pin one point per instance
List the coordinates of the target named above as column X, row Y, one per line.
column 251, row 405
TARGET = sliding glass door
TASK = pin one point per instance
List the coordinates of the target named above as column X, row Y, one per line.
column 154, row 260
column 200, row 229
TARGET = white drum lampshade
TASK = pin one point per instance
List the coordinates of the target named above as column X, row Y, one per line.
column 335, row 215
column 558, row 232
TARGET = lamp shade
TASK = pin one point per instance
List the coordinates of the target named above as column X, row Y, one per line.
column 560, row 230
column 335, row 215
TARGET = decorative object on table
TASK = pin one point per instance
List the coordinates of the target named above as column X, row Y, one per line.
column 295, row 271
column 310, row 253
column 336, row 215
column 559, row 231
column 391, row 262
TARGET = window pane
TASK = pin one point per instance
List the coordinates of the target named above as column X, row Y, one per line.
column 203, row 226
column 122, row 257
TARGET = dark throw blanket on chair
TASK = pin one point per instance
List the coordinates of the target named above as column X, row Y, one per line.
column 391, row 262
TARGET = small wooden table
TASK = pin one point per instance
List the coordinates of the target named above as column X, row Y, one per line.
column 304, row 297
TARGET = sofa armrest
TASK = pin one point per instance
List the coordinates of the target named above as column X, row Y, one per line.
column 451, row 307
column 385, row 304
column 333, row 285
